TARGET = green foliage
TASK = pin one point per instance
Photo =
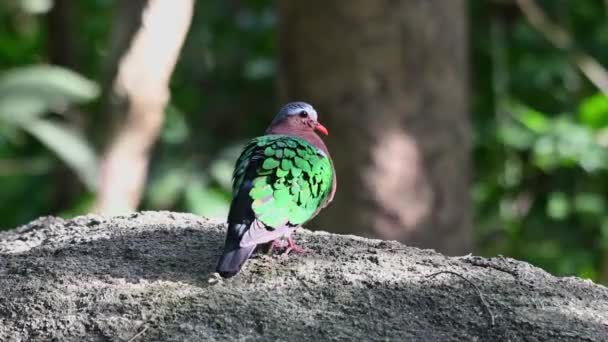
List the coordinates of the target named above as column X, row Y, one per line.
column 36, row 6
column 29, row 92
column 69, row 146
column 32, row 91
column 206, row 200
column 541, row 155
column 41, row 143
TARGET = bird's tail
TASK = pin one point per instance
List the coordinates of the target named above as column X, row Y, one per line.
column 234, row 256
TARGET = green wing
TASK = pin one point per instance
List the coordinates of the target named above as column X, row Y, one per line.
column 290, row 181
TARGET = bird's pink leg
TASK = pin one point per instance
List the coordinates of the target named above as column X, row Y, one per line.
column 277, row 244
column 292, row 247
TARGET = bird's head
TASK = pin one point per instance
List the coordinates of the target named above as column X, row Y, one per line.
column 299, row 116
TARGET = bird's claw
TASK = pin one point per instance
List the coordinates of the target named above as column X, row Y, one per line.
column 293, row 248
column 288, row 247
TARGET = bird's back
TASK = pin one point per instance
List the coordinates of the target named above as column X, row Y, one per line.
column 279, row 181
column 289, row 179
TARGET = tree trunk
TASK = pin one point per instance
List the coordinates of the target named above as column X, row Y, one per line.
column 389, row 79
column 62, row 37
column 147, row 38
column 62, row 50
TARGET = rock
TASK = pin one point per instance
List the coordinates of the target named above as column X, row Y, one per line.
column 108, row 279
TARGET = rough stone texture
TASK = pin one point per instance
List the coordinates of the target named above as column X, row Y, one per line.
column 106, row 279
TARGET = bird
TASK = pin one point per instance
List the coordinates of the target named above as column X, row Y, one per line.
column 281, row 180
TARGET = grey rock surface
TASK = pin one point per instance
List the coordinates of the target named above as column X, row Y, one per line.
column 107, row 279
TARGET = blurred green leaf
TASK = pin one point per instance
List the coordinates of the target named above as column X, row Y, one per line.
column 567, row 144
column 593, row 111
column 507, row 207
column 69, row 146
column 28, row 92
column 167, row 186
column 513, row 172
column 221, row 168
column 24, row 166
column 21, row 108
column 82, row 206
column 545, row 153
column 589, row 203
column 558, row 207
column 574, row 260
column 175, row 130
column 514, row 135
column 259, row 68
column 36, row 6
column 604, row 234
column 206, row 201
column 531, row 119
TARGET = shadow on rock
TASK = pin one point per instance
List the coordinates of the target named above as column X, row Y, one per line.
column 186, row 255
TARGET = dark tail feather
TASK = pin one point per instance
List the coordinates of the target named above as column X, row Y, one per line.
column 234, row 256
column 231, row 261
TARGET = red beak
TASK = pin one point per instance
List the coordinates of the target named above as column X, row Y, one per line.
column 321, row 129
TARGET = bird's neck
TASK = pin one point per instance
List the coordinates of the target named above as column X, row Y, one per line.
column 305, row 134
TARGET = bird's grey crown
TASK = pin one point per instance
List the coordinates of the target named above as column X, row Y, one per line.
column 295, row 108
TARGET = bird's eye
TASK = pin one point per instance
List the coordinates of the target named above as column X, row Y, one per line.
column 303, row 114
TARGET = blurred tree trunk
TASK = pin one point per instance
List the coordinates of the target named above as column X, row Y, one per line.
column 62, row 50
column 389, row 79
column 146, row 41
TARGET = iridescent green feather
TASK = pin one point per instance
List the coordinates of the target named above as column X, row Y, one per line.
column 291, row 180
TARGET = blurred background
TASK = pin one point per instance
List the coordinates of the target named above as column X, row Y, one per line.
column 465, row 126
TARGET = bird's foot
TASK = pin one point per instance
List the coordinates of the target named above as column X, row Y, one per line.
column 278, row 245
column 293, row 248
column 286, row 246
